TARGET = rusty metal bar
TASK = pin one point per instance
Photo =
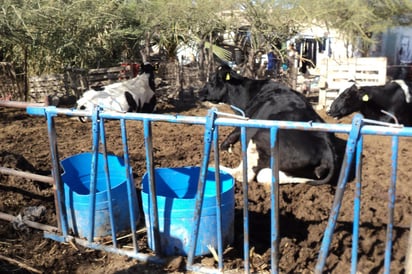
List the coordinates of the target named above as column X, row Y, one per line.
column 11, row 218
column 27, row 175
column 18, row 104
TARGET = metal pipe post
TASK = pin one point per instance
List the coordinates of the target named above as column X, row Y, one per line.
column 218, row 199
column 357, row 205
column 154, row 232
column 59, row 200
column 391, row 206
column 108, row 183
column 131, row 188
column 274, row 199
column 245, row 188
column 93, row 172
column 208, row 138
column 343, row 178
column 27, row 175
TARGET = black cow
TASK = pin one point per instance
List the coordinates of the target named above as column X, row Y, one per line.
column 394, row 98
column 308, row 156
column 133, row 95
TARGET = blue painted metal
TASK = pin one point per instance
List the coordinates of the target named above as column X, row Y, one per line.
column 343, row 179
column 391, row 205
column 357, row 206
column 147, row 133
column 146, row 258
column 245, row 188
column 208, row 139
column 219, row 227
column 108, row 183
column 131, row 189
column 307, row 126
column 274, row 199
column 211, row 122
column 93, row 169
column 58, row 190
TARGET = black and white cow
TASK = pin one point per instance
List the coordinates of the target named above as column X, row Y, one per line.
column 394, row 98
column 133, row 95
column 305, row 156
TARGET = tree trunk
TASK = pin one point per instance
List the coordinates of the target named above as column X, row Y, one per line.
column 145, row 53
column 250, row 64
column 201, row 61
column 25, row 75
column 211, row 60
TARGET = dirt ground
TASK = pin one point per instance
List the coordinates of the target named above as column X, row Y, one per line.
column 304, row 209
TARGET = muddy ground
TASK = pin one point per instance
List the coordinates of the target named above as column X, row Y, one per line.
column 304, row 209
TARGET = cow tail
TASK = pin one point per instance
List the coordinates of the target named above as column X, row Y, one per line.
column 331, row 162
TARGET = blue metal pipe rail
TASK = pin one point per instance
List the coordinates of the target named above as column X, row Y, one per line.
column 212, row 122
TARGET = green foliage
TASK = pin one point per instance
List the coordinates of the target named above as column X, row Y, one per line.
column 52, row 34
column 57, row 34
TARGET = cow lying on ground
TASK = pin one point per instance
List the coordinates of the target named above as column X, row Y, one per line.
column 134, row 95
column 394, row 97
column 304, row 156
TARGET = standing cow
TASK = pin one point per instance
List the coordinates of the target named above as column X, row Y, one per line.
column 134, row 95
column 305, row 156
column 370, row 101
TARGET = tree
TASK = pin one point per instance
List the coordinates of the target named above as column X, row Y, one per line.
column 357, row 20
column 49, row 35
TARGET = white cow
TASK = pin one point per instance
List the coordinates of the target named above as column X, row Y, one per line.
column 134, row 95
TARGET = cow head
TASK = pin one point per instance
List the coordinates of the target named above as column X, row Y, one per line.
column 146, row 67
column 85, row 102
column 216, row 90
column 349, row 101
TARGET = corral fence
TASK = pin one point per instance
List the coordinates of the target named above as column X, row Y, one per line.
column 9, row 84
column 63, row 89
column 212, row 122
column 336, row 73
column 74, row 81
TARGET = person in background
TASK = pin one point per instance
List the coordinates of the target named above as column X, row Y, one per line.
column 271, row 66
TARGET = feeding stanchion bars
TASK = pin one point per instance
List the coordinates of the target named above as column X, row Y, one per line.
column 64, row 229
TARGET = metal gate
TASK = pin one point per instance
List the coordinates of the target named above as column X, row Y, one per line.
column 212, row 122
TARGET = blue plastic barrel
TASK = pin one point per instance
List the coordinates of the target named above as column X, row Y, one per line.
column 76, row 181
column 176, row 197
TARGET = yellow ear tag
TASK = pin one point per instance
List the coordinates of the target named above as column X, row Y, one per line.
column 365, row 98
column 227, row 76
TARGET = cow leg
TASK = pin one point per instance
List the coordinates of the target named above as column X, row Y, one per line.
column 231, row 139
column 237, row 172
column 265, row 177
column 133, row 107
column 252, row 160
column 150, row 106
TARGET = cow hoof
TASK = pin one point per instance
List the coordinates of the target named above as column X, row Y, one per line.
column 226, row 147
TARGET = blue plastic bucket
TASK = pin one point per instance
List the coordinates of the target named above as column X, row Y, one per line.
column 76, row 181
column 176, row 197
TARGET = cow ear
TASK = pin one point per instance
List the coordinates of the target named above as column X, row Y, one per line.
column 365, row 97
column 227, row 76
